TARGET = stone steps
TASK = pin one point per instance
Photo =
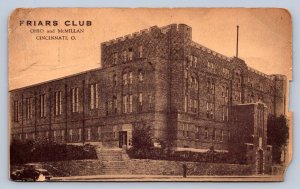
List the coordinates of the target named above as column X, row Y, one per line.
column 109, row 155
column 112, row 161
column 114, row 167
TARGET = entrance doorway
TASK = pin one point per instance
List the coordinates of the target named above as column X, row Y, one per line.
column 260, row 163
column 122, row 138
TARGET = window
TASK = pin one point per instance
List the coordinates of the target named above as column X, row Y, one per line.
column 115, row 104
column 196, row 84
column 227, row 116
column 58, row 103
column 106, row 108
column 238, row 77
column 62, row 135
column 94, row 98
column 115, row 131
column 140, row 51
column 212, row 88
column 223, row 91
column 227, row 92
column 130, row 103
column 16, row 111
column 130, row 77
column 70, row 135
column 210, row 110
column 240, row 96
column 222, row 135
column 43, row 105
column 207, row 109
column 125, row 104
column 195, row 106
column 195, row 61
column 210, row 66
column 130, row 54
column 88, row 134
column 185, row 73
column 214, row 135
column 186, row 130
column 206, row 133
column 226, row 72
column 54, row 135
column 150, row 101
column 208, row 85
column 79, row 134
column 197, row 134
column 261, row 86
column 185, row 103
column 114, row 80
column 75, row 98
column 125, row 79
column 249, row 98
column 191, row 82
column 223, row 113
column 115, row 58
column 99, row 133
column 28, row 108
column 141, row 76
column 191, row 105
column 140, row 102
column 124, row 56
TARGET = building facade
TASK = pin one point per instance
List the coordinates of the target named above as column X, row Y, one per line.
column 191, row 96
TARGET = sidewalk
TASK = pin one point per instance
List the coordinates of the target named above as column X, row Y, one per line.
column 137, row 178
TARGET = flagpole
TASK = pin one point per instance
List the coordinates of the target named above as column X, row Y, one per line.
column 237, row 40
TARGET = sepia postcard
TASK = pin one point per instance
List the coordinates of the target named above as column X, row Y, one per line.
column 145, row 94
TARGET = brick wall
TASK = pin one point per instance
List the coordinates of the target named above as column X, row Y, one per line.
column 166, row 53
column 144, row 167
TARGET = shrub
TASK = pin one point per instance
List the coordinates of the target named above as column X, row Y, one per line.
column 45, row 151
column 142, row 137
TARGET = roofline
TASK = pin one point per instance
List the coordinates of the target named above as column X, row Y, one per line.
column 57, row 79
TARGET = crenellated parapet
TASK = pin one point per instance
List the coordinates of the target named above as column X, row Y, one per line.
column 135, row 34
column 208, row 50
column 162, row 30
column 271, row 77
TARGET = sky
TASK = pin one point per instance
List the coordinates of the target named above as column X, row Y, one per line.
column 265, row 39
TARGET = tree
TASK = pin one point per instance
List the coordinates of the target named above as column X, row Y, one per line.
column 278, row 134
column 142, row 137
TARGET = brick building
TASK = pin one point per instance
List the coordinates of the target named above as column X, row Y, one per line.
column 191, row 96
